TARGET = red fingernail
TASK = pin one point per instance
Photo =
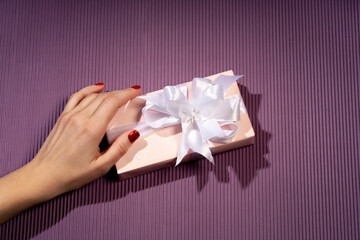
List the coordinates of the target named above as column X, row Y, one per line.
column 136, row 87
column 133, row 136
column 99, row 84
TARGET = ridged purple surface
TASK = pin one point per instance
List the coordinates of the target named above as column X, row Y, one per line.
column 301, row 61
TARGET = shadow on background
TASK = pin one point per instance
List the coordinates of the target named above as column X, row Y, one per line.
column 245, row 162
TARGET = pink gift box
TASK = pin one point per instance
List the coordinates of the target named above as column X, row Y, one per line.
column 159, row 149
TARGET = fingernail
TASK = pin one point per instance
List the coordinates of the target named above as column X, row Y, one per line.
column 99, row 84
column 136, row 87
column 133, row 136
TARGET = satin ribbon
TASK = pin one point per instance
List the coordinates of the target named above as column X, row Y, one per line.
column 208, row 117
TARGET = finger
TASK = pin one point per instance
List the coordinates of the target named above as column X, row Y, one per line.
column 82, row 98
column 86, row 101
column 76, row 98
column 117, row 149
column 103, row 109
column 119, row 97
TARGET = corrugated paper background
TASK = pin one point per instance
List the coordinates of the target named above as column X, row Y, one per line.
column 301, row 179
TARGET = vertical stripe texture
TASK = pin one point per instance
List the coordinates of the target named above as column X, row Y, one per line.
column 301, row 178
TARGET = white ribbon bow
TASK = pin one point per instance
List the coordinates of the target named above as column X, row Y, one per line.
column 208, row 117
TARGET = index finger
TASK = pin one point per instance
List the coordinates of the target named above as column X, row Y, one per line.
column 111, row 104
column 77, row 97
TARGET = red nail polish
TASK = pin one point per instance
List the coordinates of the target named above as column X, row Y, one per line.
column 136, row 87
column 99, row 84
column 133, row 136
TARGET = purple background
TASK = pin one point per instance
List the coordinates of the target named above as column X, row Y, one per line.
column 301, row 87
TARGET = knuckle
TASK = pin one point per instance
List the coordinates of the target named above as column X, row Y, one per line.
column 120, row 149
column 89, row 129
column 75, row 120
column 103, row 169
column 93, row 95
column 63, row 118
column 103, row 96
column 112, row 100
column 74, row 96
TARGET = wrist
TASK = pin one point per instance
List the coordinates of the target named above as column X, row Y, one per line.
column 24, row 188
column 18, row 191
column 26, row 185
column 39, row 182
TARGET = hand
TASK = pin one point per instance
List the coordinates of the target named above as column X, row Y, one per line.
column 70, row 157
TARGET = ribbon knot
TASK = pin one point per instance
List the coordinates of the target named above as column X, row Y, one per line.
column 208, row 117
column 195, row 116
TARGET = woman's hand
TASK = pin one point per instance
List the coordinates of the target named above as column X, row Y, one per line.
column 70, row 157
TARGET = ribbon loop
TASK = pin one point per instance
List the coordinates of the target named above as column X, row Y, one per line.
column 208, row 117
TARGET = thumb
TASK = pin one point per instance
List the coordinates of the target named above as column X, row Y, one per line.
column 117, row 149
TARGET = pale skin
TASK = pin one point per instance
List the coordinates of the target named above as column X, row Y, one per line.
column 70, row 157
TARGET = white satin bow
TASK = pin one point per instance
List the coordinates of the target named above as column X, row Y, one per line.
column 208, row 117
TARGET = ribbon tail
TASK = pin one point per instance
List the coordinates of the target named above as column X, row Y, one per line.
column 204, row 150
column 207, row 153
column 183, row 149
column 191, row 139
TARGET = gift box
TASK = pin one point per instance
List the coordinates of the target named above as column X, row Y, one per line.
column 166, row 140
